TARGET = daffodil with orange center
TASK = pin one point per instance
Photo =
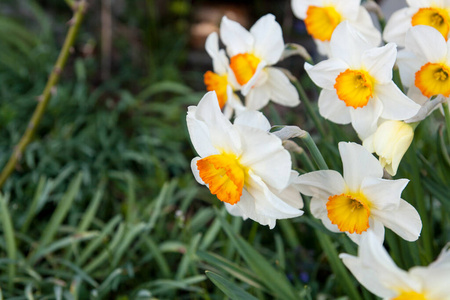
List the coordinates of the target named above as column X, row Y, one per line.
column 357, row 84
column 432, row 13
column 221, row 79
column 377, row 272
column 360, row 201
column 321, row 18
column 252, row 55
column 425, row 64
column 242, row 164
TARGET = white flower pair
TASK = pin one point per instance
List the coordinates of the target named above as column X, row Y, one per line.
column 249, row 68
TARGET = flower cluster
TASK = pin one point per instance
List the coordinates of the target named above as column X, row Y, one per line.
column 249, row 68
column 245, row 162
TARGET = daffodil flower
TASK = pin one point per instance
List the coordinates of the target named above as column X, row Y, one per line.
column 321, row 18
column 357, row 83
column 251, row 56
column 360, row 201
column 424, row 64
column 433, row 13
column 377, row 272
column 222, row 80
column 243, row 164
column 390, row 142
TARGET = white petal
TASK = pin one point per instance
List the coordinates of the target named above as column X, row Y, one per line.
column 299, row 7
column 220, row 61
column 235, row 37
column 380, row 61
column 269, row 44
column 216, row 130
column 253, row 119
column 319, row 210
column 281, row 89
column 358, row 163
column 366, row 276
column 408, row 64
column 325, row 72
column 290, row 194
column 321, row 184
column 257, row 98
column 397, row 26
column 396, row 105
column 383, row 194
column 375, row 227
column 348, row 9
column 404, row 221
column 264, row 154
column 332, row 108
column 195, row 170
column 383, row 277
column 365, row 27
column 420, row 37
column 348, row 44
column 257, row 79
column 267, row 203
column 365, row 119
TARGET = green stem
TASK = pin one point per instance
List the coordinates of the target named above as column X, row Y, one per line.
column 447, row 118
column 315, row 152
column 80, row 8
column 11, row 247
column 309, row 108
column 419, row 196
column 337, row 266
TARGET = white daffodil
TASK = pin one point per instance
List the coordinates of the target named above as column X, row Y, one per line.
column 390, row 142
column 377, row 272
column 424, row 64
column 251, row 56
column 321, row 17
column 222, row 80
column 243, row 164
column 357, row 83
column 361, row 200
column 433, row 13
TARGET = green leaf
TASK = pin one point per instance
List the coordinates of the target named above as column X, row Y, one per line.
column 230, row 289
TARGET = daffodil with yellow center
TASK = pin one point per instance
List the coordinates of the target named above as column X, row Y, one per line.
column 357, row 84
column 425, row 64
column 432, row 13
column 377, row 272
column 360, row 201
column 252, row 55
column 244, row 165
column 321, row 18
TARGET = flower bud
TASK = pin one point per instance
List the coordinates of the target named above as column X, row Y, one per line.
column 390, row 142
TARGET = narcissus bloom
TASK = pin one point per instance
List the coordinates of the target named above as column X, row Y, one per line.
column 377, row 272
column 243, row 164
column 251, row 56
column 424, row 64
column 321, row 17
column 433, row 13
column 390, row 142
column 222, row 80
column 357, row 83
column 360, row 201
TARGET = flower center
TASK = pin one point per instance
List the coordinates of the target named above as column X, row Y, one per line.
column 224, row 175
column 410, row 296
column 434, row 17
column 218, row 83
column 244, row 66
column 321, row 21
column 349, row 212
column 355, row 88
column 433, row 79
